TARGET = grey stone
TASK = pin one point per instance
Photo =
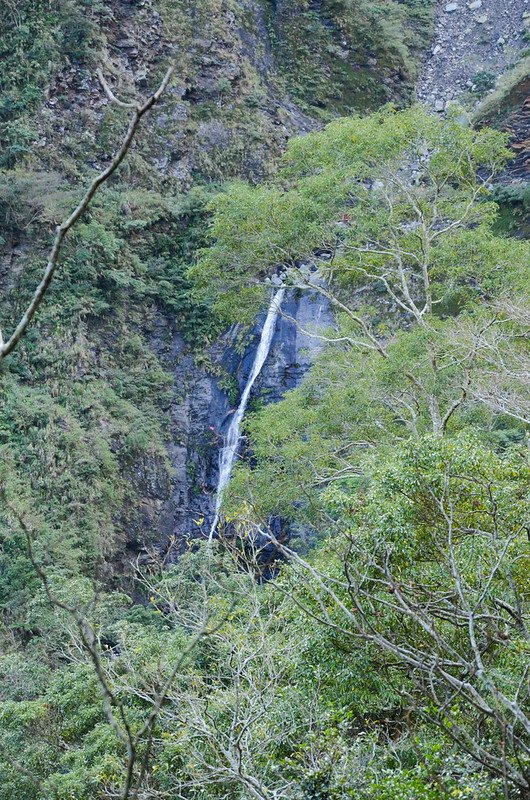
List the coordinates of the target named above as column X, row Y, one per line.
column 201, row 409
column 213, row 134
column 450, row 7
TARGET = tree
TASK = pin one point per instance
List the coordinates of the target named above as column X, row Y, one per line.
column 187, row 684
column 390, row 218
column 403, row 450
column 134, row 734
column 221, row 720
column 430, row 566
column 398, row 208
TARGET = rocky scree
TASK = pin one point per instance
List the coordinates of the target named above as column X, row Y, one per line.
column 475, row 42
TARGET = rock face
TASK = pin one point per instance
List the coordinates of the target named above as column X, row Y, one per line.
column 201, row 408
column 509, row 109
column 518, row 126
column 464, row 45
column 247, row 80
column 293, row 347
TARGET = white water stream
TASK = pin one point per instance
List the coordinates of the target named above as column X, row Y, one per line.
column 229, row 451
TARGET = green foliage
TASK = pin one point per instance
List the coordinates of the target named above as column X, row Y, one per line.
column 330, row 174
column 320, row 712
column 384, row 379
column 320, row 705
column 484, row 81
column 437, row 521
column 514, row 207
column 70, row 446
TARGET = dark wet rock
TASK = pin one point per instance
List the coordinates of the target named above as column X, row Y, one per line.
column 201, row 409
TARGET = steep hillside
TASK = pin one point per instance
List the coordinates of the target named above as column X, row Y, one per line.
column 385, row 438
column 475, row 42
column 248, row 76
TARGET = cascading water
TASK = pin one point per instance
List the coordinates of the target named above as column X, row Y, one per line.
column 229, row 451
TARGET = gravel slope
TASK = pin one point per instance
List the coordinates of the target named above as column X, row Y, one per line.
column 471, row 37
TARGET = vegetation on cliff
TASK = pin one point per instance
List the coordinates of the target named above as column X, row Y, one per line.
column 389, row 657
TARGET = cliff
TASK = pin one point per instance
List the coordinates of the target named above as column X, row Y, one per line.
column 130, row 376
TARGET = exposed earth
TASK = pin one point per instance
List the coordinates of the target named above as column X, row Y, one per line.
column 474, row 43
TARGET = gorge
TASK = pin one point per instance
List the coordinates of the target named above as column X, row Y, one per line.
column 298, row 301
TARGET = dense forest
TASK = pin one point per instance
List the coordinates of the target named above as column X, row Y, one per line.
column 265, row 407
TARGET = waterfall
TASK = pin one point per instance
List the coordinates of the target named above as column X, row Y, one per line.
column 229, row 451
